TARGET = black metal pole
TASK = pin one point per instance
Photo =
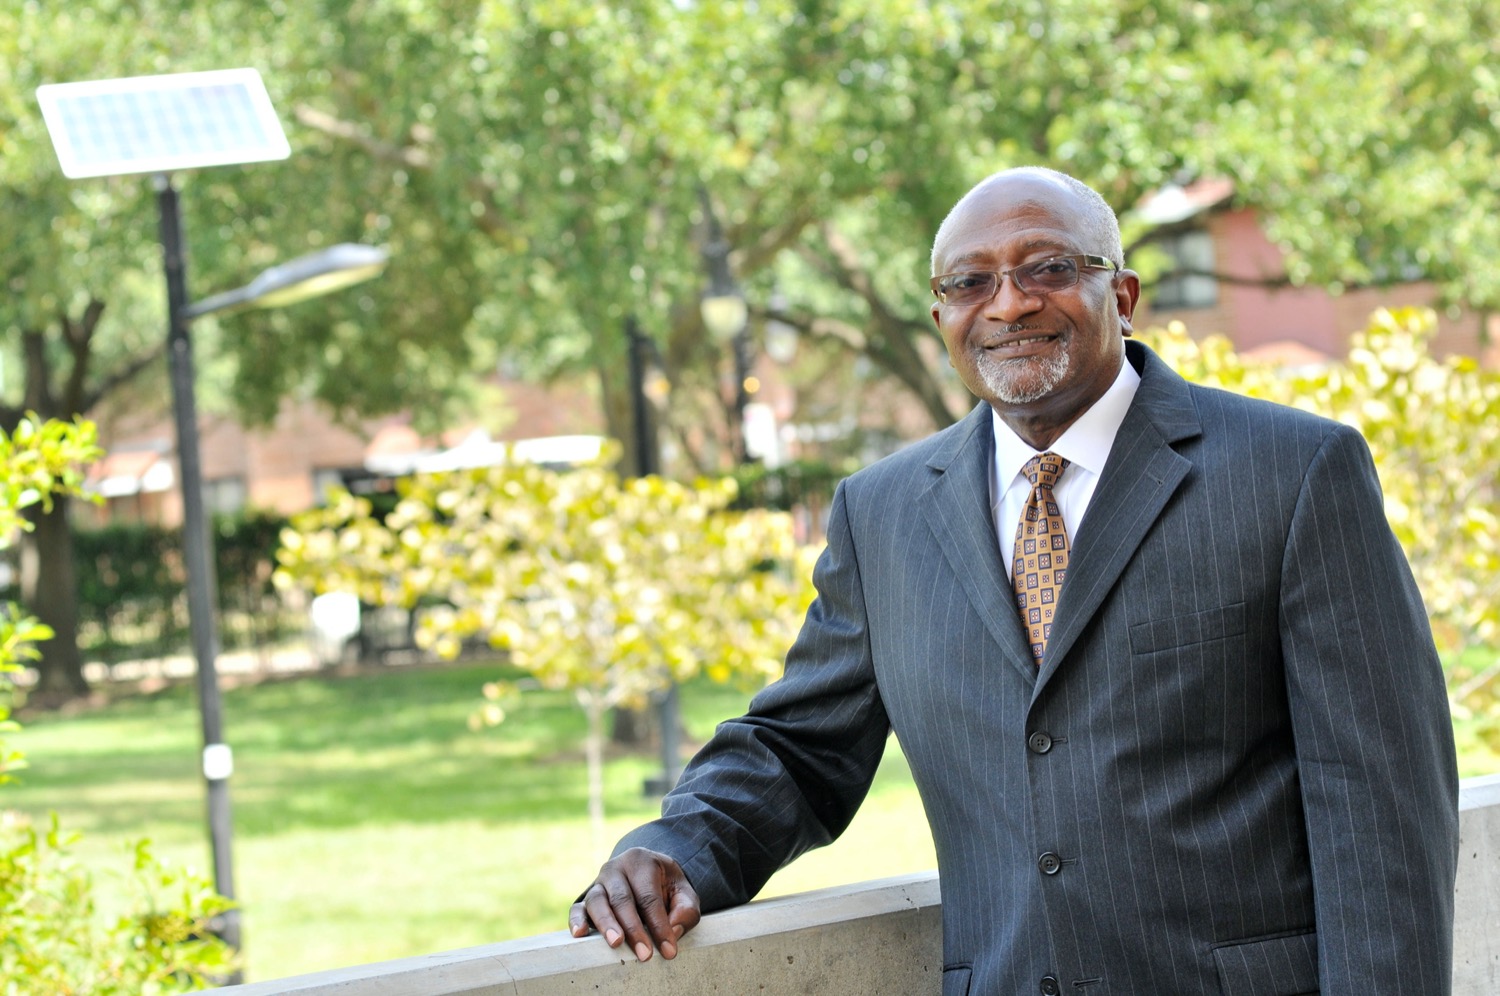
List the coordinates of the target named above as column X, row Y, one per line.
column 197, row 550
column 640, row 406
column 668, row 709
column 742, row 366
column 721, row 283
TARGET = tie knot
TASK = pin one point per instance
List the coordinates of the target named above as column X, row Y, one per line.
column 1044, row 470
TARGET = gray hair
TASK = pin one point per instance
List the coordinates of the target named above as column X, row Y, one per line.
column 1101, row 229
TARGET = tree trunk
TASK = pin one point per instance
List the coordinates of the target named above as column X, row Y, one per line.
column 49, row 591
column 593, row 707
column 632, row 727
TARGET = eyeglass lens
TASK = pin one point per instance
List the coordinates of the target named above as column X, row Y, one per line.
column 1041, row 277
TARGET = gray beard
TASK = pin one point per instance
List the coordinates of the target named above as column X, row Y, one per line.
column 1022, row 381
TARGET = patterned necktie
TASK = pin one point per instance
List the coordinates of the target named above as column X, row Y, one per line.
column 1041, row 557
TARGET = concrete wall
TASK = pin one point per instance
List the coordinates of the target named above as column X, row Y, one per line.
column 872, row 937
column 1476, row 918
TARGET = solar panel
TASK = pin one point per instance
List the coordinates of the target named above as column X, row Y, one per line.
column 156, row 124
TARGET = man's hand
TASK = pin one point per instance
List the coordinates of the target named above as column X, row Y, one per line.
column 641, row 897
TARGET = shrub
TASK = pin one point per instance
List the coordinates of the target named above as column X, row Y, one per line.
column 53, row 941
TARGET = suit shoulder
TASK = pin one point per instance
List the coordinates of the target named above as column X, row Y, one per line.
column 1254, row 428
column 1215, row 402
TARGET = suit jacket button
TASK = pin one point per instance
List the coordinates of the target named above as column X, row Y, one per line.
column 1039, row 743
column 1049, row 986
column 1049, row 863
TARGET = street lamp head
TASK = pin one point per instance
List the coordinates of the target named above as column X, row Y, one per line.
column 724, row 315
column 314, row 275
column 305, row 277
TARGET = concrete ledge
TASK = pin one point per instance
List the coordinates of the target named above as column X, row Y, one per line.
column 872, row 937
column 1476, row 916
column 884, row 936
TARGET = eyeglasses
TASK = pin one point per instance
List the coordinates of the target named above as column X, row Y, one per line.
column 970, row 287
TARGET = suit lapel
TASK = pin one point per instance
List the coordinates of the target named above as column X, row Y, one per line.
column 957, row 509
column 1142, row 474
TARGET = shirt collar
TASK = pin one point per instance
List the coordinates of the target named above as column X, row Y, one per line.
column 1086, row 443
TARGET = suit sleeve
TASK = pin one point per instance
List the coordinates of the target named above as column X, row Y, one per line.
column 1373, row 736
column 789, row 775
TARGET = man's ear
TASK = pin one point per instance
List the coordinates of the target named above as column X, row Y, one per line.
column 1127, row 294
column 937, row 307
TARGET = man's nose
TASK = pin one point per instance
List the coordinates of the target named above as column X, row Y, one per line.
column 1010, row 302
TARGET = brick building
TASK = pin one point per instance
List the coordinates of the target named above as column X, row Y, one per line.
column 287, row 466
column 1207, row 233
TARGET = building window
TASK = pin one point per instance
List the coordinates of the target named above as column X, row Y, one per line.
column 1192, row 252
column 224, row 495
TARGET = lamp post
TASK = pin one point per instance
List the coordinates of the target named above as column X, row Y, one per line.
column 668, row 708
column 155, row 125
column 726, row 316
column 644, row 425
column 305, row 277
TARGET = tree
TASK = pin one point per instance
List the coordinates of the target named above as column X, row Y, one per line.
column 537, row 167
column 607, row 588
column 833, row 136
column 83, row 318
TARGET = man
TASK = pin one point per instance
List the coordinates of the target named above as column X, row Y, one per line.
column 1224, row 765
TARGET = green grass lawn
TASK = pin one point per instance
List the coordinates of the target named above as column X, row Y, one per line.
column 371, row 823
column 1476, row 721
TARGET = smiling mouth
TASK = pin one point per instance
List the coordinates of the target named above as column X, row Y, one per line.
column 1020, row 341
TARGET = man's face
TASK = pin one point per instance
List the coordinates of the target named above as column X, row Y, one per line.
column 1040, row 359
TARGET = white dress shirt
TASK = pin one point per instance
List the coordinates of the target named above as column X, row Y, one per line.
column 1085, row 445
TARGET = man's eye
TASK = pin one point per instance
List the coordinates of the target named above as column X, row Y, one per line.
column 967, row 281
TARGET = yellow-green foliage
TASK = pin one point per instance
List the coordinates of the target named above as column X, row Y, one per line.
column 37, row 460
column 608, row 588
column 52, row 940
column 601, row 585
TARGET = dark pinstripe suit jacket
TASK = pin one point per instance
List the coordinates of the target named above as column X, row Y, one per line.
column 1234, row 773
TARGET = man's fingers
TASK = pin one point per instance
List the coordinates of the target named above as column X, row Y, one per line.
column 640, row 898
column 652, row 884
column 578, row 921
column 611, row 908
column 684, row 912
column 580, row 924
